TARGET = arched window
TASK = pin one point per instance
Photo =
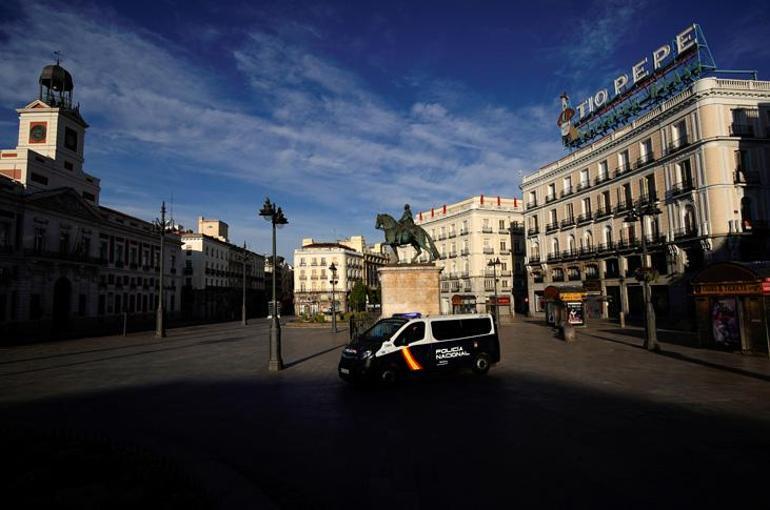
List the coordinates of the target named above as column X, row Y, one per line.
column 554, row 246
column 588, row 238
column 535, row 251
column 571, row 244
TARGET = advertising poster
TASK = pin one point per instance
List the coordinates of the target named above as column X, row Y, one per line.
column 575, row 314
column 724, row 322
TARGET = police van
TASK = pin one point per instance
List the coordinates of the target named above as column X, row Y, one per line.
column 409, row 343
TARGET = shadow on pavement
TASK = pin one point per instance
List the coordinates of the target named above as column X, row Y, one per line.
column 310, row 441
column 314, row 355
column 689, row 359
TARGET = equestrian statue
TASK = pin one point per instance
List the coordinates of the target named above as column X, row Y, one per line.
column 405, row 233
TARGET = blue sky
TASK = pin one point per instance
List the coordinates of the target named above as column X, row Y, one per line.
column 337, row 111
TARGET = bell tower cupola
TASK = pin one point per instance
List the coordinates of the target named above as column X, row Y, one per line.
column 56, row 86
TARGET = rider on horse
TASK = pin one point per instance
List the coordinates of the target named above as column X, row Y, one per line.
column 406, row 223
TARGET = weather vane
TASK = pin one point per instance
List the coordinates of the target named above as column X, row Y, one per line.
column 58, row 56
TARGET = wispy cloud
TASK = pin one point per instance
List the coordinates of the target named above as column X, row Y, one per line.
column 302, row 124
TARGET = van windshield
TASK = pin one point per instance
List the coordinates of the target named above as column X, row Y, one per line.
column 382, row 331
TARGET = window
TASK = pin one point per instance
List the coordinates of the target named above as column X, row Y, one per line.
column 413, row 333
column 679, row 134
column 608, row 235
column 551, row 191
column 68, row 165
column 569, row 211
column 501, row 225
column 89, row 196
column 70, row 139
column 460, row 328
column 502, row 247
column 623, row 161
column 567, row 184
column 584, row 177
column 39, row 244
column 40, row 179
column 5, row 234
column 603, row 170
column 587, row 206
column 645, row 151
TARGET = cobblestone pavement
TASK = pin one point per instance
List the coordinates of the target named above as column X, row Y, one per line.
column 600, row 422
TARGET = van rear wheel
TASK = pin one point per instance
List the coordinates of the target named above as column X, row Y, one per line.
column 481, row 364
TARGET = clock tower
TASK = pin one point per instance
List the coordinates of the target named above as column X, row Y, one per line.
column 49, row 153
column 51, row 125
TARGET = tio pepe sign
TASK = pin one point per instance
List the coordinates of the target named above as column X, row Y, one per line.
column 634, row 91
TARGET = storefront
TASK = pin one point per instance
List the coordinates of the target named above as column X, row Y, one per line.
column 503, row 306
column 564, row 305
column 731, row 303
column 463, row 303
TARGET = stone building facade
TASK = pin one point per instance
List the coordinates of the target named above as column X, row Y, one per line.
column 468, row 235
column 214, row 274
column 696, row 161
column 69, row 265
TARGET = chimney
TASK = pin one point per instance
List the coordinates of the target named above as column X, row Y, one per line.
column 498, row 200
column 444, row 208
column 482, row 199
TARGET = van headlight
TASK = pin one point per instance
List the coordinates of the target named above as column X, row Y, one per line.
column 365, row 354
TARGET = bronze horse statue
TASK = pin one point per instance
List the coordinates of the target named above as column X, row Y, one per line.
column 400, row 235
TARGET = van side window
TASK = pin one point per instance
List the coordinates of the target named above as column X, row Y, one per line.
column 413, row 333
column 460, row 328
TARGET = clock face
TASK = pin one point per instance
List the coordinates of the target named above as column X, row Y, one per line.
column 37, row 132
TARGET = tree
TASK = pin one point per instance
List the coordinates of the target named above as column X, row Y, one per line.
column 358, row 296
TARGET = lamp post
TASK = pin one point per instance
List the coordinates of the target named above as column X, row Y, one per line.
column 161, row 225
column 275, row 216
column 333, row 281
column 651, row 335
column 243, row 297
column 494, row 263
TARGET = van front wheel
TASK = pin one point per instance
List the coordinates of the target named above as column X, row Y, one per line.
column 481, row 364
column 388, row 376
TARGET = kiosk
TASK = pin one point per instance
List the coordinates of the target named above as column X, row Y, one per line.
column 564, row 305
column 731, row 306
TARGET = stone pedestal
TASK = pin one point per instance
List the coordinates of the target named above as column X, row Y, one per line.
column 410, row 288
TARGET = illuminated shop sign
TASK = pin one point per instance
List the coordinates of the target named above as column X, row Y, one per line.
column 663, row 73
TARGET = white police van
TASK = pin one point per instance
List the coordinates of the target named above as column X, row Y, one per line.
column 409, row 343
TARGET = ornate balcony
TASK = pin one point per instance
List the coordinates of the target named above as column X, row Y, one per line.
column 585, row 217
column 568, row 222
column 551, row 227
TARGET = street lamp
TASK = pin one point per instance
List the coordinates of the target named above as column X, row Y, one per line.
column 161, row 225
column 243, row 297
column 275, row 216
column 651, row 336
column 494, row 263
column 334, row 282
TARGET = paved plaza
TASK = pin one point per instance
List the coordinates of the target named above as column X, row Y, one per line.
column 600, row 422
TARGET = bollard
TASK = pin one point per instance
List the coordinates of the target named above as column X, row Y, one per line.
column 568, row 332
column 125, row 323
column 622, row 320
